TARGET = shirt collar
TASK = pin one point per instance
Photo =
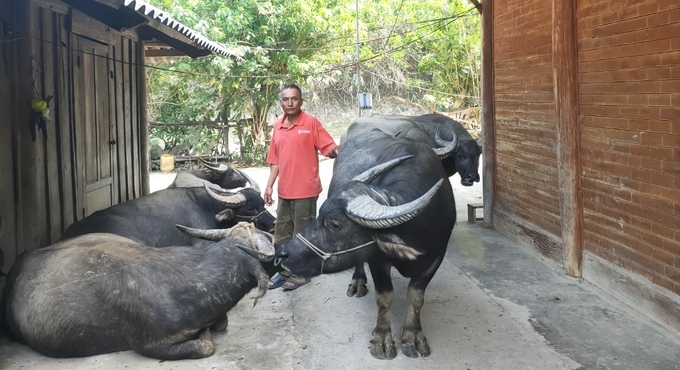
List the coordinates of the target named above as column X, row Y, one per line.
column 297, row 122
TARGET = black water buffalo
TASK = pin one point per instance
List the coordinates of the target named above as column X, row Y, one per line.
column 434, row 130
column 223, row 175
column 151, row 219
column 389, row 203
column 101, row 293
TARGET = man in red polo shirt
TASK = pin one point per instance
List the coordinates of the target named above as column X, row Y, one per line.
column 293, row 158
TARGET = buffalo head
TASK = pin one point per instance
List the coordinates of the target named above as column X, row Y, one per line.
column 351, row 224
column 244, row 205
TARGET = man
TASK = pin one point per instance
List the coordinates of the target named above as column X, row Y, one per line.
column 293, row 157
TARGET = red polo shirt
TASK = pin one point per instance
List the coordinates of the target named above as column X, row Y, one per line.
column 295, row 150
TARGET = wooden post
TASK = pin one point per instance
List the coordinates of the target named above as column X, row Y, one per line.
column 488, row 149
column 143, row 119
column 565, row 82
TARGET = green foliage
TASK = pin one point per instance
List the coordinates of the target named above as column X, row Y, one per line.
column 427, row 51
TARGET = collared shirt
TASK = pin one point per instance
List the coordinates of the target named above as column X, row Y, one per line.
column 294, row 149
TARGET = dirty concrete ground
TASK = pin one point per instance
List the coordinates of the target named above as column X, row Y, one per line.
column 493, row 304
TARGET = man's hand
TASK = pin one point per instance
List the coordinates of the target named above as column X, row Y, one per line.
column 268, row 196
column 334, row 152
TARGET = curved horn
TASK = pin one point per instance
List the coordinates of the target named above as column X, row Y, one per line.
column 229, row 201
column 251, row 181
column 254, row 253
column 221, row 168
column 209, row 234
column 365, row 211
column 373, row 172
column 447, row 147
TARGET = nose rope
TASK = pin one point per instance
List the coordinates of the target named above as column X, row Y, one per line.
column 325, row 255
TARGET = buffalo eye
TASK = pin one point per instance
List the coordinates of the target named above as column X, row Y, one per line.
column 333, row 224
column 460, row 156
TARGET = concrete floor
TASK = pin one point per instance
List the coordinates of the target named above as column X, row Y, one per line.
column 492, row 305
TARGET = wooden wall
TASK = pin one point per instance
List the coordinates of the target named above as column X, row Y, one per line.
column 629, row 79
column 88, row 158
column 525, row 131
column 7, row 170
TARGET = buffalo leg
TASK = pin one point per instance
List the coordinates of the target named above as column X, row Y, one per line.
column 382, row 344
column 413, row 341
column 221, row 324
column 200, row 347
column 358, row 284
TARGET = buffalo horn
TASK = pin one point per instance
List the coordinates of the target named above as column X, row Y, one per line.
column 254, row 253
column 251, row 181
column 230, row 201
column 365, row 211
column 373, row 172
column 210, row 234
column 447, row 147
column 221, row 168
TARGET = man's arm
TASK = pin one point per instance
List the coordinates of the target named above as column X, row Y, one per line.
column 273, row 174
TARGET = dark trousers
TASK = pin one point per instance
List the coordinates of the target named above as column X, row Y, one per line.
column 293, row 216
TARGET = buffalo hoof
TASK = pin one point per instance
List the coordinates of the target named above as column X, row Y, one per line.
column 383, row 347
column 414, row 343
column 358, row 288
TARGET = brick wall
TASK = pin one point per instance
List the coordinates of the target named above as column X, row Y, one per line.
column 526, row 168
column 629, row 105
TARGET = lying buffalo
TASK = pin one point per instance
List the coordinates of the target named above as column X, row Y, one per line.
column 222, row 176
column 389, row 203
column 102, row 293
column 151, row 219
column 433, row 130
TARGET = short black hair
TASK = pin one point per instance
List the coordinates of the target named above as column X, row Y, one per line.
column 290, row 86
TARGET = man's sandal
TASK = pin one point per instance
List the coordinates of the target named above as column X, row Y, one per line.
column 276, row 281
column 292, row 284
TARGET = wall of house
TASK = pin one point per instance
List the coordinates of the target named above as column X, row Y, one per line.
column 629, row 105
column 527, row 200
column 7, row 190
column 87, row 158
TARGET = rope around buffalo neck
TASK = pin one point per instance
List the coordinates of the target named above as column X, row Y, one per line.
column 325, row 255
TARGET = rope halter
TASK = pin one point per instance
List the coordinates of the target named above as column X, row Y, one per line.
column 325, row 255
column 250, row 218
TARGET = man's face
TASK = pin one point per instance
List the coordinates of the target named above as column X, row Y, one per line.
column 291, row 102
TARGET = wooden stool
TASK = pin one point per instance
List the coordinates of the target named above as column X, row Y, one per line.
column 472, row 212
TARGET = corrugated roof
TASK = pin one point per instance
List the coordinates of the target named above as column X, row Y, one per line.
column 151, row 12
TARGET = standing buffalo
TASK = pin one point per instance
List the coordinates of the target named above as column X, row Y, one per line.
column 101, row 293
column 389, row 203
column 434, row 130
column 221, row 176
column 151, row 219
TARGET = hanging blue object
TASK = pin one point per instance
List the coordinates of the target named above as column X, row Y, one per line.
column 365, row 100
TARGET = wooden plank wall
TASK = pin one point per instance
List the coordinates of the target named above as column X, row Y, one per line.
column 41, row 187
column 525, row 131
column 7, row 170
column 629, row 78
column 127, row 118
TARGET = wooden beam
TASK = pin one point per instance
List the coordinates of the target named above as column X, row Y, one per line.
column 477, row 5
column 565, row 82
column 143, row 121
column 488, row 136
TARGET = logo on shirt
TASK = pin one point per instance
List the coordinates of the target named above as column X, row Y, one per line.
column 303, row 131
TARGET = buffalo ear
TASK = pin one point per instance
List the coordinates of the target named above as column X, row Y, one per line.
column 225, row 215
column 393, row 245
column 479, row 144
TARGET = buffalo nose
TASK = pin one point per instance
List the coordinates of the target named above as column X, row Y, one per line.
column 281, row 255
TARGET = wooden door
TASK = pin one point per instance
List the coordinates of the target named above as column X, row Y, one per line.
column 95, row 143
